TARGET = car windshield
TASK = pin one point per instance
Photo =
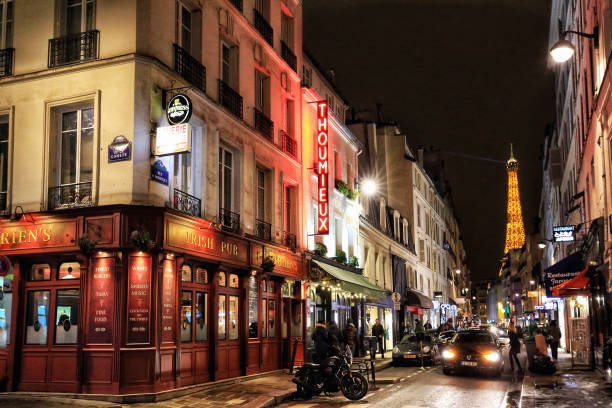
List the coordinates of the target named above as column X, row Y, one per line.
column 474, row 338
column 411, row 338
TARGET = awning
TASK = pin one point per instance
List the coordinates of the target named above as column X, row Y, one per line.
column 351, row 281
column 414, row 298
column 452, row 302
column 563, row 271
column 577, row 286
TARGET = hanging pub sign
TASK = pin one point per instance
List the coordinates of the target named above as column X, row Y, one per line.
column 322, row 169
column 159, row 173
column 119, row 150
column 564, row 233
column 179, row 109
column 173, row 139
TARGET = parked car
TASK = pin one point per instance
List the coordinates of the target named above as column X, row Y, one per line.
column 408, row 350
column 473, row 350
column 501, row 334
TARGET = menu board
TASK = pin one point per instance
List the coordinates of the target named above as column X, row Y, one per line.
column 168, row 301
column 139, row 299
column 101, row 302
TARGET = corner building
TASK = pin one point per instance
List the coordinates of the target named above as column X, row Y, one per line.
column 128, row 270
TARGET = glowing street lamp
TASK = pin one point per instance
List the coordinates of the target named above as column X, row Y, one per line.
column 458, row 271
column 563, row 49
column 369, row 187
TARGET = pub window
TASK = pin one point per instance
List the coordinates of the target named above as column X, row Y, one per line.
column 66, row 316
column 37, row 316
column 264, row 311
column 186, row 275
column 201, row 276
column 221, row 329
column 271, row 286
column 296, row 316
column 222, row 279
column 271, row 318
column 234, row 282
column 6, row 24
column 233, row 317
column 4, row 141
column 263, row 285
column 253, row 307
column 186, row 303
column 6, row 299
column 69, row 270
column 201, row 316
column 40, row 272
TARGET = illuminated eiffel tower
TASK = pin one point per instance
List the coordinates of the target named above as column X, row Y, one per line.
column 515, row 231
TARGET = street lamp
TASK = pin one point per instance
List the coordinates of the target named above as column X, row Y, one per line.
column 369, row 187
column 458, row 271
column 542, row 245
column 563, row 49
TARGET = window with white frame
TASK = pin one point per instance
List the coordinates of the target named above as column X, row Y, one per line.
column 75, row 147
column 184, row 26
column 229, row 65
column 76, row 16
column 6, row 23
column 182, row 179
column 226, row 179
column 421, row 251
column 261, row 194
column 262, row 92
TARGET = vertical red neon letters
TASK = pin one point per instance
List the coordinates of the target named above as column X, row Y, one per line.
column 322, row 168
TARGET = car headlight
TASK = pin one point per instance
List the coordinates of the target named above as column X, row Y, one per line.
column 426, row 349
column 396, row 350
column 492, row 356
column 493, row 329
column 447, row 354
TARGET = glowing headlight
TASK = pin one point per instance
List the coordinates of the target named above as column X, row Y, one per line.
column 493, row 329
column 396, row 350
column 447, row 354
column 426, row 349
column 492, row 356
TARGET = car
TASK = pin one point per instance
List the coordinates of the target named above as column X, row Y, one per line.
column 502, row 336
column 409, row 350
column 473, row 350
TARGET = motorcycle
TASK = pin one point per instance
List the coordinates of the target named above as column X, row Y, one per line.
column 332, row 376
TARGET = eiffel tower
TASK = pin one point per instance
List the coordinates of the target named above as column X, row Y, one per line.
column 515, row 231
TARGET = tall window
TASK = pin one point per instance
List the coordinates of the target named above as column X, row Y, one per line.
column 229, row 65
column 261, row 194
column 287, row 29
column 77, row 16
column 6, row 24
column 338, row 234
column 182, row 172
column 289, row 116
column 226, row 168
column 288, row 208
column 4, row 133
column 183, row 26
column 75, row 153
column 262, row 6
column 262, row 98
column 338, row 166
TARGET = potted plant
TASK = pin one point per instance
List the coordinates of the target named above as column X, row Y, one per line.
column 340, row 256
column 86, row 245
column 142, row 240
column 353, row 261
column 268, row 264
column 320, row 249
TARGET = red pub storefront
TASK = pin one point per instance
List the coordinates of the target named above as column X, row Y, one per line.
column 129, row 299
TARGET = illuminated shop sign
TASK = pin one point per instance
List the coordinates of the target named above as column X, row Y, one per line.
column 173, row 139
column 322, row 168
column 179, row 109
column 564, row 233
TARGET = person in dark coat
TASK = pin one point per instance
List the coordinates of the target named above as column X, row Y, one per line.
column 334, row 335
column 350, row 336
column 378, row 331
column 321, row 343
column 515, row 348
column 555, row 338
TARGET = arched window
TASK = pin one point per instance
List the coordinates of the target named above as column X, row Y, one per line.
column 69, row 270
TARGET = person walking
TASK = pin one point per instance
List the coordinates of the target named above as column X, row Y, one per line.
column 321, row 343
column 418, row 326
column 350, row 336
column 555, row 337
column 334, row 335
column 515, row 348
column 378, row 331
column 427, row 326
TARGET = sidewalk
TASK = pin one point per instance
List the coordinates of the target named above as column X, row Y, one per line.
column 566, row 388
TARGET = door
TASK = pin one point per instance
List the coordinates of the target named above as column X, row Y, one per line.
column 270, row 343
column 228, row 361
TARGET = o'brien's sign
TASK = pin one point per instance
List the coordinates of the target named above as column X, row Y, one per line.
column 564, row 233
column 322, row 168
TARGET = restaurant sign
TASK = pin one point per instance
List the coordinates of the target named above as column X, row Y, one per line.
column 173, row 139
column 285, row 262
column 564, row 233
column 44, row 234
column 203, row 240
column 179, row 109
column 322, row 169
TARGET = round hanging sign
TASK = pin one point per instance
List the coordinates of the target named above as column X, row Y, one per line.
column 179, row 109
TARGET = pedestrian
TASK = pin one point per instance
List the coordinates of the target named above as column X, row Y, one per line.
column 427, row 326
column 530, row 345
column 540, row 342
column 334, row 335
column 321, row 343
column 418, row 326
column 350, row 336
column 515, row 348
column 555, row 338
column 378, row 331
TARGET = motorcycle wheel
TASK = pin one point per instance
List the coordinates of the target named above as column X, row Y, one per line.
column 354, row 386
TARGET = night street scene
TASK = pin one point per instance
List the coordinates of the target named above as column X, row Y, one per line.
column 306, row 203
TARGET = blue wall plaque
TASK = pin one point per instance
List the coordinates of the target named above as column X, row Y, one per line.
column 159, row 173
column 119, row 150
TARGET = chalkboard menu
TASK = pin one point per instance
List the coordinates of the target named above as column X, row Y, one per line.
column 139, row 299
column 253, row 307
column 168, row 301
column 101, row 303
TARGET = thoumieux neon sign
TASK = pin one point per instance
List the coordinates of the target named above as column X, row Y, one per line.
column 322, row 168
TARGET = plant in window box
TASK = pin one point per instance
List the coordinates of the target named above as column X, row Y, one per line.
column 142, row 240
column 86, row 244
column 353, row 261
column 268, row 264
column 340, row 256
column 320, row 249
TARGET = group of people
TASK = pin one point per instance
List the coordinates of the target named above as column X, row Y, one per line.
column 536, row 342
column 329, row 339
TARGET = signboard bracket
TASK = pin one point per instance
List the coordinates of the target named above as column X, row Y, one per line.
column 169, row 93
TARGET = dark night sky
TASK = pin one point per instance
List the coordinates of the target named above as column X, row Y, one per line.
column 467, row 76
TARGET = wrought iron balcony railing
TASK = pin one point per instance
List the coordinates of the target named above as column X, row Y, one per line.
column 230, row 99
column 186, row 203
column 289, row 240
column 70, row 196
column 6, row 62
column 263, row 27
column 230, row 220
column 263, row 230
column 189, row 68
column 237, row 4
column 263, row 124
column 288, row 56
column 289, row 144
column 74, row 48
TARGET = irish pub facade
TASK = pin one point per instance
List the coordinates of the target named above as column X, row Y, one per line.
column 150, row 159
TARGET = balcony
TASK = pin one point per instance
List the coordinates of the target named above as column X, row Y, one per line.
column 6, row 62
column 237, row 4
column 74, row 48
column 263, row 124
column 263, row 230
column 70, row 196
column 288, row 56
column 229, row 220
column 263, row 27
column 230, row 99
column 289, row 144
column 289, row 240
column 189, row 68
column 186, row 203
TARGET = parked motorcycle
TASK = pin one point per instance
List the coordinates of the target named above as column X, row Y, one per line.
column 333, row 376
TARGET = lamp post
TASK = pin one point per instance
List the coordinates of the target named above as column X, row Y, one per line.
column 563, row 49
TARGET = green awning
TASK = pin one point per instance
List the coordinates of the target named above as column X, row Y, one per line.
column 353, row 282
